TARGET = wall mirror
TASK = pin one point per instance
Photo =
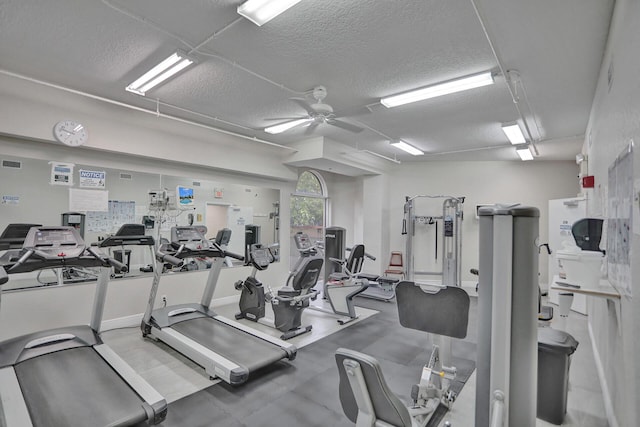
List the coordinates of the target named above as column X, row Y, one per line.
column 52, row 193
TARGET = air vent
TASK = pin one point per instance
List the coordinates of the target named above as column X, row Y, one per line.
column 12, row 164
column 196, row 183
column 125, row 176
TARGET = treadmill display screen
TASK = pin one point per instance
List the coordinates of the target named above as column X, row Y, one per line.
column 55, row 238
column 187, row 235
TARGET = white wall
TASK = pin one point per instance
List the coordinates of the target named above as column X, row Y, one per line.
column 371, row 207
column 530, row 183
column 614, row 122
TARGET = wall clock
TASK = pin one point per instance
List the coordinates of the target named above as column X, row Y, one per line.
column 70, row 133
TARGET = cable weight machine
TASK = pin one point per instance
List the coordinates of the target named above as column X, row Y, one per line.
column 450, row 223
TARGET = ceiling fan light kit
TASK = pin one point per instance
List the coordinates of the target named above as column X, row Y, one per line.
column 175, row 63
column 407, row 147
column 317, row 113
column 514, row 133
column 262, row 11
column 439, row 89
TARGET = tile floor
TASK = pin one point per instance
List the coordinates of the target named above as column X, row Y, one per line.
column 303, row 392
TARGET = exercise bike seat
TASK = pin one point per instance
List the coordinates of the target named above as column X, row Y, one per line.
column 385, row 405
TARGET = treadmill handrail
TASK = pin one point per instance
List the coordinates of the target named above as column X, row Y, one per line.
column 34, row 259
column 214, row 251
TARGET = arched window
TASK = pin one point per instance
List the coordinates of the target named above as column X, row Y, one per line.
column 308, row 208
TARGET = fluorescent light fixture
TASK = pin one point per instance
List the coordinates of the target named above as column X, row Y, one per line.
column 407, row 147
column 161, row 72
column 525, row 153
column 514, row 133
column 262, row 11
column 282, row 127
column 452, row 86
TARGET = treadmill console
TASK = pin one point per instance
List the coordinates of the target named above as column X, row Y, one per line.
column 55, row 241
column 190, row 237
column 13, row 236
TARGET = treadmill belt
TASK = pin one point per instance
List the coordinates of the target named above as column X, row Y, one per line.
column 77, row 388
column 240, row 347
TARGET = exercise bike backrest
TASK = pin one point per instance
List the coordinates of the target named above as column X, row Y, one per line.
column 306, row 276
column 353, row 264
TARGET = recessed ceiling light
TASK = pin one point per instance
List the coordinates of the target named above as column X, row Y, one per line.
column 262, row 11
column 161, row 72
column 407, row 147
column 525, row 153
column 452, row 86
column 514, row 133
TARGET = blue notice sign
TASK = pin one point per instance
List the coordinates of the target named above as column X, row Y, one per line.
column 92, row 179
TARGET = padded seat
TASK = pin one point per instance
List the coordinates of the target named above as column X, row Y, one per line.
column 381, row 404
column 396, row 265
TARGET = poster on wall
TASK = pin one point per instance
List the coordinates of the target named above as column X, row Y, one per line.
column 92, row 179
column 61, row 173
column 117, row 214
column 620, row 221
column 88, row 200
column 10, row 200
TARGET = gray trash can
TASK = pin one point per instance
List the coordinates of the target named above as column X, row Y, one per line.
column 554, row 360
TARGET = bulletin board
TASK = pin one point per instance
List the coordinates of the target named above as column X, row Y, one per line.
column 619, row 223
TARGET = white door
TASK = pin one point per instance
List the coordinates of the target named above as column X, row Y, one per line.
column 237, row 218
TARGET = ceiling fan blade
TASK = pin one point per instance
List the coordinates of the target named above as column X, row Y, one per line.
column 356, row 111
column 311, row 128
column 304, row 104
column 284, row 118
column 344, row 125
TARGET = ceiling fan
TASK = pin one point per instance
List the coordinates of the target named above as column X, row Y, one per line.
column 317, row 113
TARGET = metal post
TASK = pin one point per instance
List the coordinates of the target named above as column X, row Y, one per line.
column 507, row 321
column 99, row 298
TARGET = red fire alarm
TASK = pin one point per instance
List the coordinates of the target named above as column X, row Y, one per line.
column 588, row 181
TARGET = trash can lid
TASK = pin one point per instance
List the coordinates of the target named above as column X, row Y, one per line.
column 553, row 339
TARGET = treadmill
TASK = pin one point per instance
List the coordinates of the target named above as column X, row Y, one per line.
column 224, row 348
column 128, row 235
column 67, row 377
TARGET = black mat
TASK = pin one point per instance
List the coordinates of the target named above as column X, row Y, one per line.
column 304, row 392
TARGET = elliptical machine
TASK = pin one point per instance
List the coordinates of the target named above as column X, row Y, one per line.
column 287, row 303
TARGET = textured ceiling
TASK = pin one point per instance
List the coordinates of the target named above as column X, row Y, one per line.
column 360, row 50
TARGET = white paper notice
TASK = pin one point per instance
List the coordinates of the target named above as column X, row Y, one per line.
column 88, row 200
